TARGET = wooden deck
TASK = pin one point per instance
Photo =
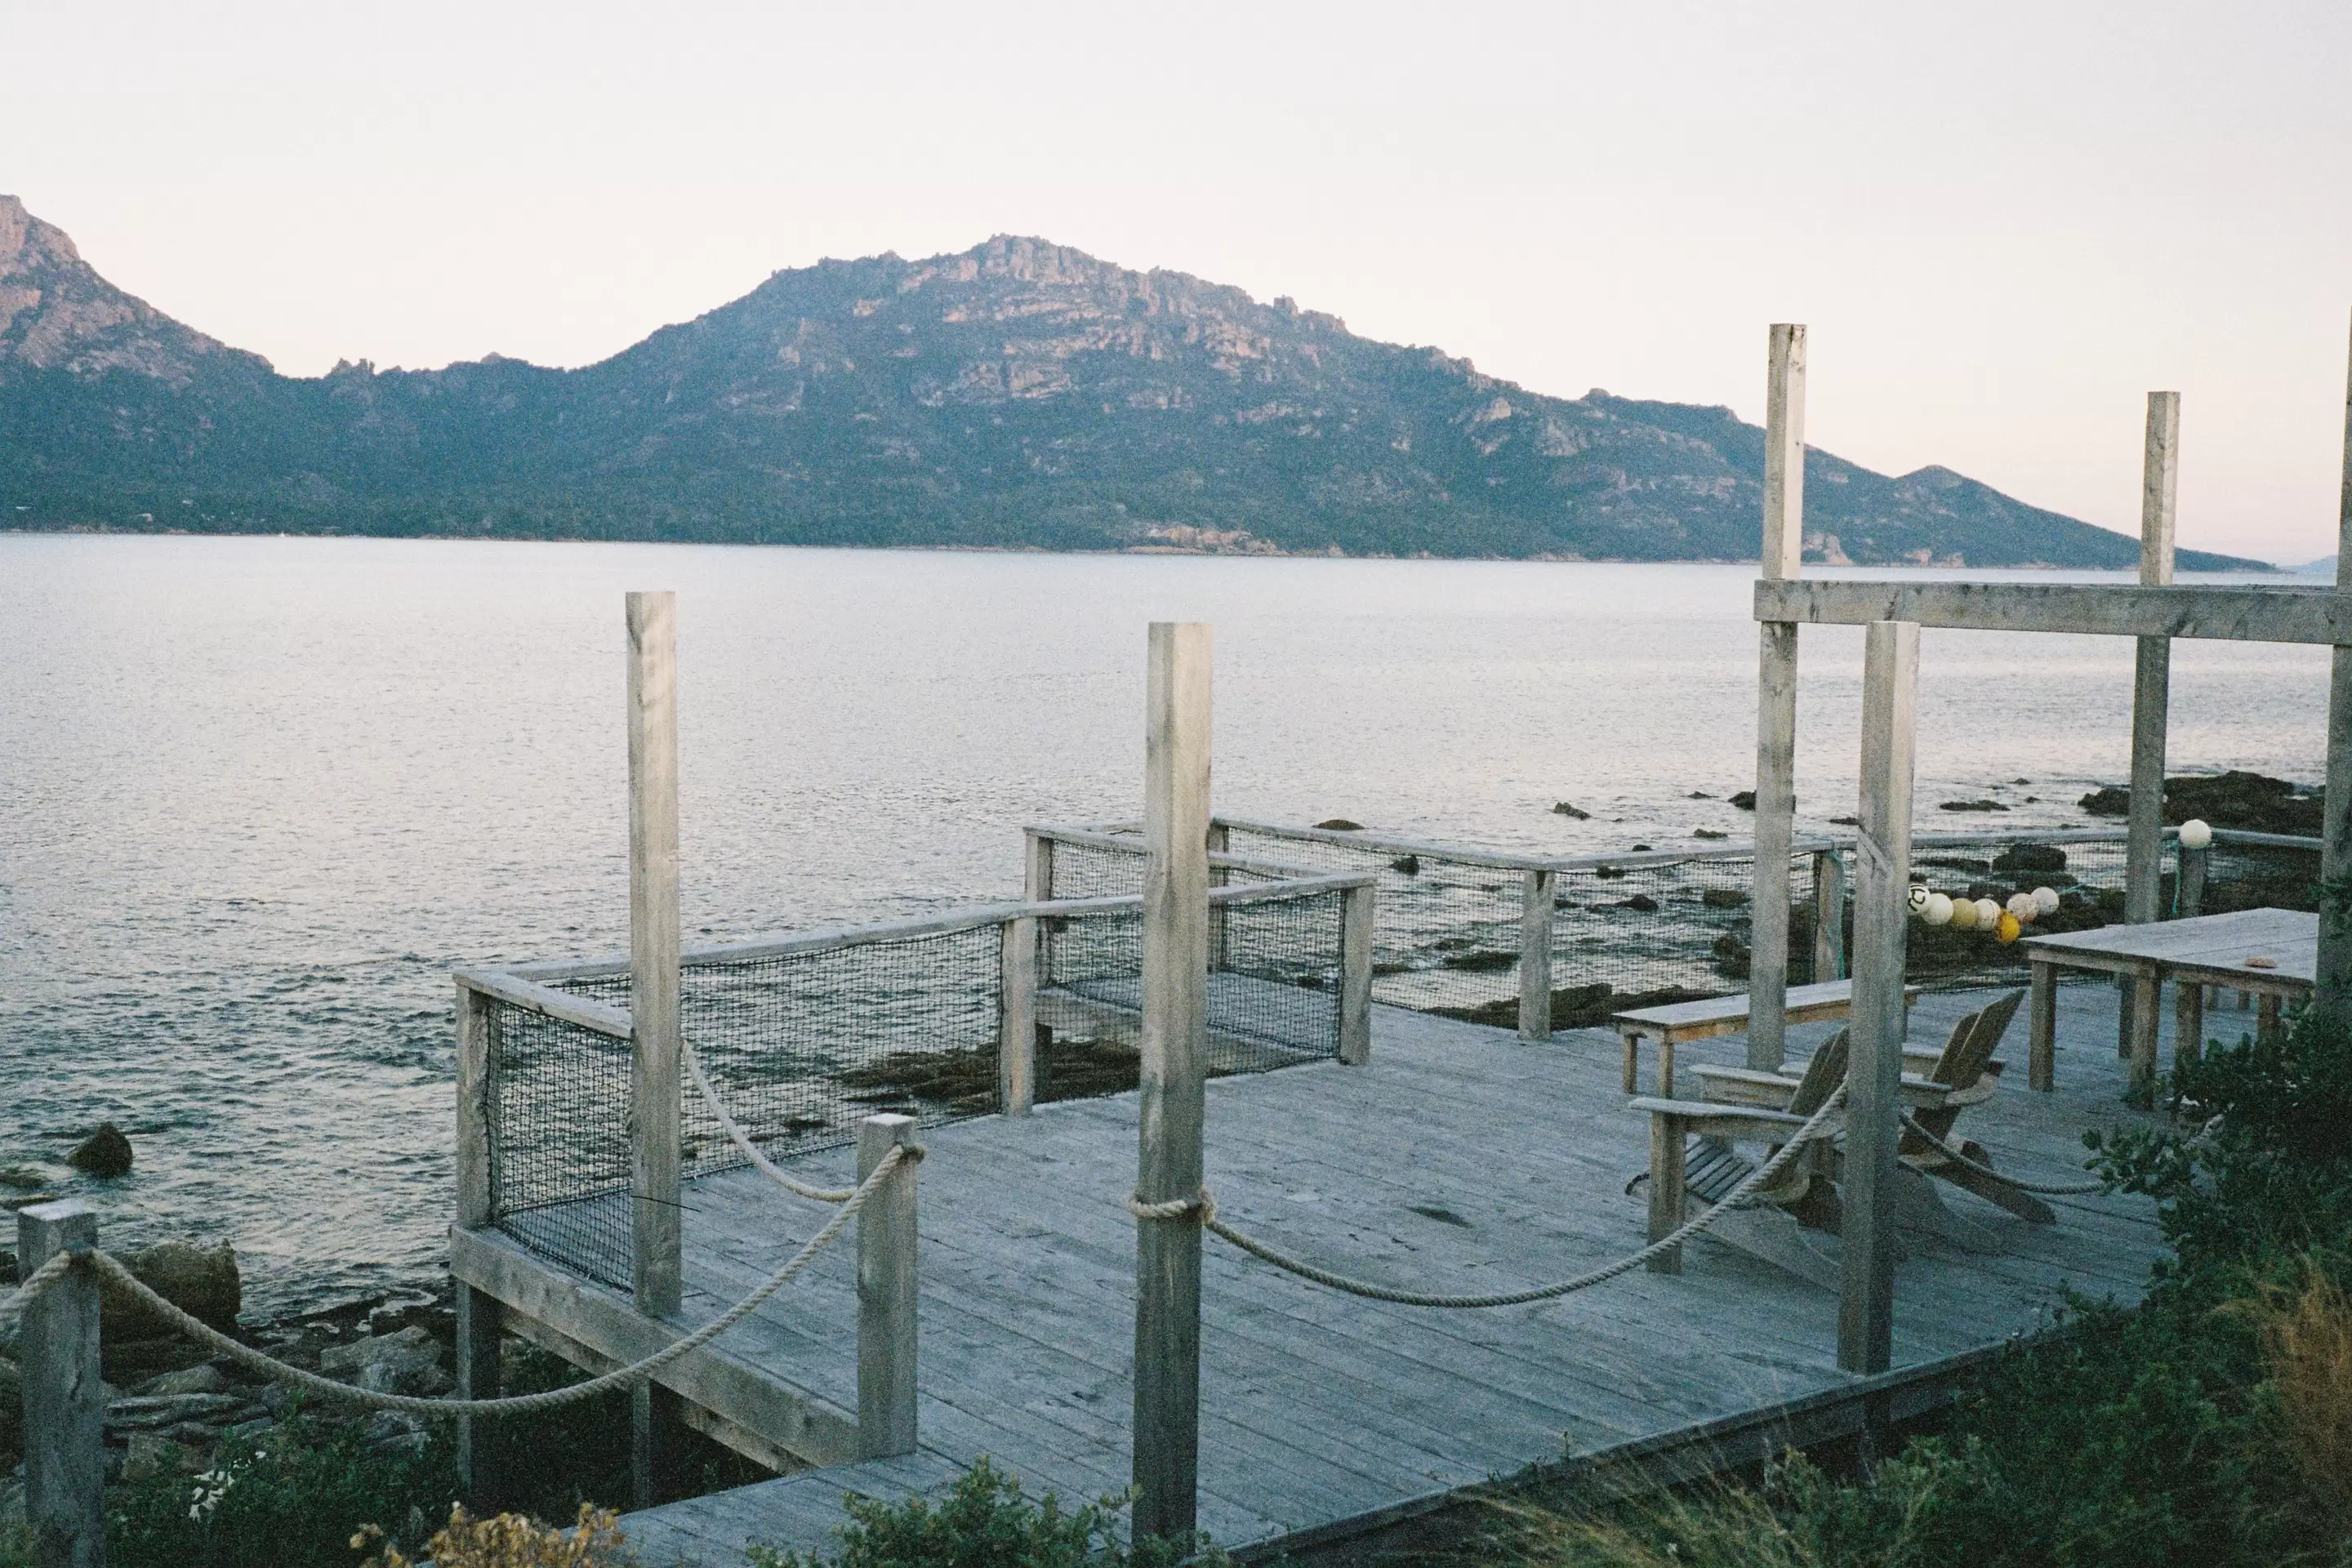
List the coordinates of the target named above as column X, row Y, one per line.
column 1460, row 1158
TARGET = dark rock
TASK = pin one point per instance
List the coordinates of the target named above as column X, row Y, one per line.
column 1341, row 824
column 1561, row 808
column 1408, row 864
column 2031, row 857
column 202, row 1282
column 105, row 1152
column 151, row 1414
column 1639, row 850
column 12, row 1407
column 1700, row 795
column 1722, row 898
column 1745, row 800
column 1972, row 806
column 2251, row 802
column 1708, row 833
column 1642, row 901
column 407, row 1362
column 1609, row 873
column 1846, row 821
column 2107, row 801
column 1485, row 960
column 205, row 1378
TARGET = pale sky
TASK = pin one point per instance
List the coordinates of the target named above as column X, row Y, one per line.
column 2004, row 223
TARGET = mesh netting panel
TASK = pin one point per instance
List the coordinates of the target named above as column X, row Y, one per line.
column 1447, row 936
column 2254, row 877
column 559, row 1143
column 1091, row 871
column 2088, row 878
column 802, row 1046
column 1638, row 936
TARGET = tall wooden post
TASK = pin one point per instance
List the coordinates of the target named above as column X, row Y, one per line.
column 64, row 1403
column 1016, row 1019
column 1357, row 928
column 2334, row 977
column 655, row 1266
column 478, row 1324
column 1776, row 700
column 2151, row 682
column 1535, row 954
column 1882, row 878
column 1829, row 916
column 1175, row 1041
column 887, row 1293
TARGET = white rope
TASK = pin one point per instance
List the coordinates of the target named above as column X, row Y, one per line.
column 637, row 1371
column 736, row 1136
column 2047, row 1189
column 33, row 1284
column 1206, row 1206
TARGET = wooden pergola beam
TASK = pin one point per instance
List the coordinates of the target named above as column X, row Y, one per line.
column 2225, row 613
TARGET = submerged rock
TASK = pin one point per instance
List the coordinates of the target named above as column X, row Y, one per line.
column 1340, row 825
column 2251, row 802
column 1562, row 809
column 105, row 1152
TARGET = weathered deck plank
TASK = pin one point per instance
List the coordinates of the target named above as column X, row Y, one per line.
column 1319, row 1406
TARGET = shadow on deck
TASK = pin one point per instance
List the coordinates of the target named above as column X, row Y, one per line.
column 1458, row 1160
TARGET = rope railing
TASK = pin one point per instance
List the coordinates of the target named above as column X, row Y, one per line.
column 112, row 1271
column 1203, row 1204
column 742, row 1141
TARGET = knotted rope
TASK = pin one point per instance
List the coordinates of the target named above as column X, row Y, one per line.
column 1206, row 1207
column 112, row 1271
column 32, row 1285
column 2046, row 1189
column 742, row 1141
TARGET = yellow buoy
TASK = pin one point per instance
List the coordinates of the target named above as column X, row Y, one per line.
column 1964, row 914
column 2006, row 930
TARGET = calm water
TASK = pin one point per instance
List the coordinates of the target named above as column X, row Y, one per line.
column 257, row 796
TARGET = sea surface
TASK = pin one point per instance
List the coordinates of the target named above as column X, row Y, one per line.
column 259, row 795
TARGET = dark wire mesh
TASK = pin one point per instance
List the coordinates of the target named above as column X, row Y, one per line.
column 558, row 1115
column 2087, row 877
column 2259, row 876
column 1092, row 871
column 1643, row 935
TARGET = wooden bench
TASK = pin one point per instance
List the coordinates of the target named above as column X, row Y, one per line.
column 1678, row 1021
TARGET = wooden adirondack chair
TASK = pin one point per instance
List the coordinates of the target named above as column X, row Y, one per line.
column 1804, row 1195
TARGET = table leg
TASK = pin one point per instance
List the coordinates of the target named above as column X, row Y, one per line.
column 2147, row 1001
column 1633, row 1061
column 2188, row 1023
column 2127, row 993
column 2266, row 1015
column 1666, row 1067
column 2041, row 1028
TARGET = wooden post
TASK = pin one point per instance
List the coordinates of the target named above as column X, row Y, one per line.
column 1356, row 934
column 654, row 1270
column 1535, row 954
column 477, row 1314
column 2152, row 675
column 1016, row 1020
column 1776, row 700
column 887, row 1292
column 2333, row 990
column 1175, row 1040
column 2194, row 864
column 64, row 1403
column 1829, row 916
column 1037, row 866
column 1875, row 1071
column 1221, row 921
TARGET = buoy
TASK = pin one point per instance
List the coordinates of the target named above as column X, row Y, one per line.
column 2022, row 906
column 1987, row 913
column 2195, row 833
column 1938, row 911
column 2046, row 900
column 2009, row 927
column 1964, row 914
column 1918, row 898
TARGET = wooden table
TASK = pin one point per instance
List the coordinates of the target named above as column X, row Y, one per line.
column 1679, row 1021
column 2208, row 950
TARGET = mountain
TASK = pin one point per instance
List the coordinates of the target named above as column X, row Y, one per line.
column 1020, row 395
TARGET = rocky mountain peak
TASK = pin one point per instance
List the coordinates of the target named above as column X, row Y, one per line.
column 57, row 313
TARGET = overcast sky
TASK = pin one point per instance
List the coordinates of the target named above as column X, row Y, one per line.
column 2005, row 224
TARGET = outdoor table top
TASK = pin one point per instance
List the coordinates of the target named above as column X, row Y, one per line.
column 1729, row 1014
column 2205, row 945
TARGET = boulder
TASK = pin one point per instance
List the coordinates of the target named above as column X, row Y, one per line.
column 155, row 1413
column 407, row 1362
column 203, row 1378
column 2031, row 857
column 1340, row 825
column 1561, row 808
column 1745, row 800
column 202, row 1282
column 105, row 1152
column 1722, row 898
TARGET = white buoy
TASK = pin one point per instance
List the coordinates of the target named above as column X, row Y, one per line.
column 2022, row 906
column 1987, row 913
column 2195, row 833
column 2046, row 900
column 1918, row 898
column 1938, row 911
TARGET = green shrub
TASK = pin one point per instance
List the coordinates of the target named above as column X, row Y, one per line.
column 986, row 1521
column 290, row 1499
